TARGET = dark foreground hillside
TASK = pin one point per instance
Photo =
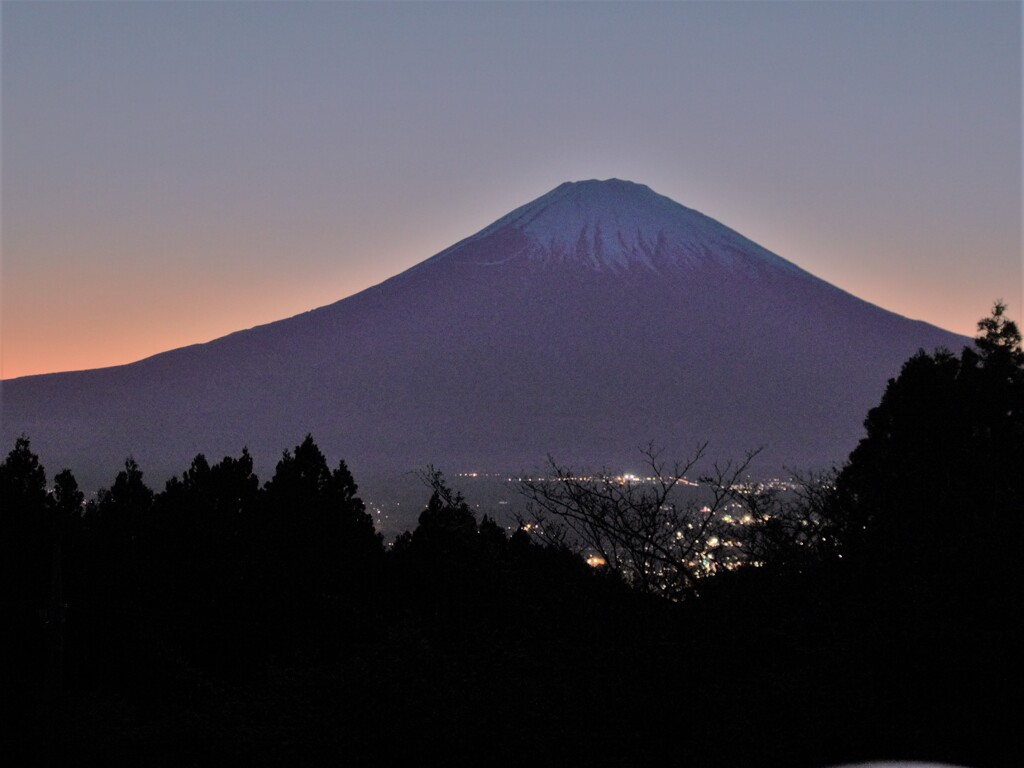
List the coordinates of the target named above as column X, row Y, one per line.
column 223, row 619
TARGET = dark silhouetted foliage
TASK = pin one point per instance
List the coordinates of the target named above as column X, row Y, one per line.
column 25, row 549
column 937, row 484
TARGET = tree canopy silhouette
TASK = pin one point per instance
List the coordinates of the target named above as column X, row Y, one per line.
column 937, row 483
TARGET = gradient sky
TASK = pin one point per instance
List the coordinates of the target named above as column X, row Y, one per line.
column 175, row 171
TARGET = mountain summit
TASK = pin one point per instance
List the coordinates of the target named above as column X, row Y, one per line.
column 617, row 225
column 597, row 318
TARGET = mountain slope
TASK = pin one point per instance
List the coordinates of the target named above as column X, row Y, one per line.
column 594, row 319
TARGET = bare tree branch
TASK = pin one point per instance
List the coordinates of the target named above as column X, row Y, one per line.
column 643, row 528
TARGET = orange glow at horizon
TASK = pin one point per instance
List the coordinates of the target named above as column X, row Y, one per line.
column 93, row 335
column 113, row 309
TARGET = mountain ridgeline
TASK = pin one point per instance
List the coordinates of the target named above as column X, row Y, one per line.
column 598, row 317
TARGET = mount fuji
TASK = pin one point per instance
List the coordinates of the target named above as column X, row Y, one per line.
column 597, row 318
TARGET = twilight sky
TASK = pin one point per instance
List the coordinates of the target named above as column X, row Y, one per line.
column 175, row 171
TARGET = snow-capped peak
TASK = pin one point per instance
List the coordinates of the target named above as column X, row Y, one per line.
column 615, row 224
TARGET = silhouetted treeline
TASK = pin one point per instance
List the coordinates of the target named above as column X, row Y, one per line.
column 222, row 618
